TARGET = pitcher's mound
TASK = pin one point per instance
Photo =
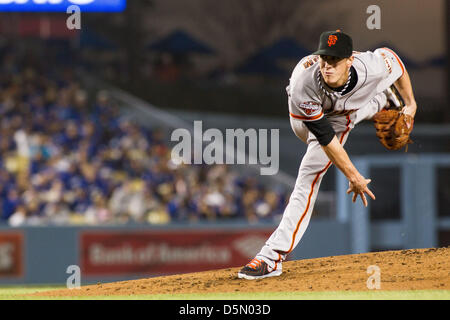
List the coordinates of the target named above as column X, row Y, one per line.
column 417, row 269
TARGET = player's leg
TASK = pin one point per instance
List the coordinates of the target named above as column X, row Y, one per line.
column 389, row 97
column 296, row 216
column 300, row 130
column 369, row 110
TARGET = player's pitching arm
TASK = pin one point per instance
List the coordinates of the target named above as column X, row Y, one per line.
column 357, row 183
column 326, row 136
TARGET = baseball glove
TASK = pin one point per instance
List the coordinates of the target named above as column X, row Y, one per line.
column 392, row 129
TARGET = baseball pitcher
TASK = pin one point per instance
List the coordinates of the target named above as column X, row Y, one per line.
column 330, row 92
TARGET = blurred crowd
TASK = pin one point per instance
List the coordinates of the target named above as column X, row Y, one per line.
column 69, row 156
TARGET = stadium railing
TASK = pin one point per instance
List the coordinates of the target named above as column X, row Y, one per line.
column 419, row 221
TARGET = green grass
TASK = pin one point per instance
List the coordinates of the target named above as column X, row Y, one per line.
column 15, row 293
column 11, row 293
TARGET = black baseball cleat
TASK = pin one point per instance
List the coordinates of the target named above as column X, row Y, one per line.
column 258, row 269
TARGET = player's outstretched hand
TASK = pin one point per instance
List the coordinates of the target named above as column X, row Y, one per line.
column 359, row 187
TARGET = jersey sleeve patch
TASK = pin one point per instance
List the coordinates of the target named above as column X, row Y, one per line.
column 309, row 111
column 310, row 108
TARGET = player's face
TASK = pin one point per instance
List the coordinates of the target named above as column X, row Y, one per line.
column 335, row 70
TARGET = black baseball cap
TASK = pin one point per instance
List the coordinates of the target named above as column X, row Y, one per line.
column 336, row 44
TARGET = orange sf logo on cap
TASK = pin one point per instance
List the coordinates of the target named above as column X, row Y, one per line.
column 332, row 40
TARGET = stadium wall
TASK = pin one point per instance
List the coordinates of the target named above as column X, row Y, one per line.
column 42, row 255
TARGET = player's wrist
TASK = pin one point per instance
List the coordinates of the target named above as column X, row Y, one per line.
column 410, row 109
column 355, row 178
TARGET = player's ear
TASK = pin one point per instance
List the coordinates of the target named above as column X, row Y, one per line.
column 350, row 61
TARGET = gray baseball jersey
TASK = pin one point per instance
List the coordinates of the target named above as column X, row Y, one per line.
column 310, row 99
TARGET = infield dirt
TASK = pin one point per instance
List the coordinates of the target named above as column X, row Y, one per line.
column 418, row 269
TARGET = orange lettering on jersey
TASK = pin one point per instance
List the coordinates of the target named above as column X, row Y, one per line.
column 387, row 62
column 332, row 40
column 309, row 61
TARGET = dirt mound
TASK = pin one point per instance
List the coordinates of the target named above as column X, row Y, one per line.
column 416, row 269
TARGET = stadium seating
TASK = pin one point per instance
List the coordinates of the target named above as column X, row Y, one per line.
column 68, row 157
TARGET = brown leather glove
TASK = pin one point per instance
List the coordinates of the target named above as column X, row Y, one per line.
column 392, row 128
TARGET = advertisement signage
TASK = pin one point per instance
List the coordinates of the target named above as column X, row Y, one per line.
column 169, row 252
column 62, row 5
column 11, row 252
